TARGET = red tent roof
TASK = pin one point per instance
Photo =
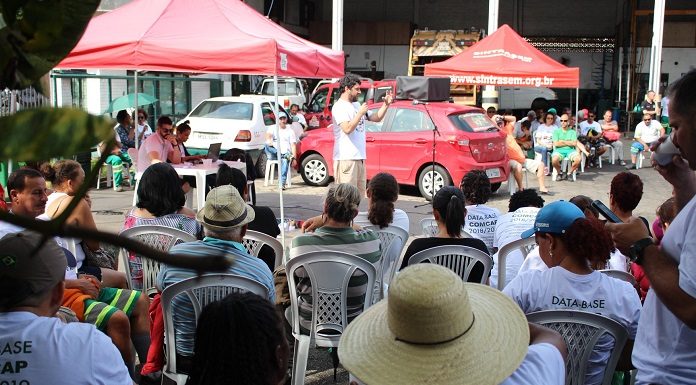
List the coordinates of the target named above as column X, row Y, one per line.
column 214, row 36
column 504, row 58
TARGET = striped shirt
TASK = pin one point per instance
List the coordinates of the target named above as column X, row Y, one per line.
column 244, row 265
column 364, row 244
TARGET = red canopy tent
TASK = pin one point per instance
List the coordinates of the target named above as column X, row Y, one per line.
column 504, row 58
column 213, row 36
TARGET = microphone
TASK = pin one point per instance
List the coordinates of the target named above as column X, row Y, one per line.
column 417, row 102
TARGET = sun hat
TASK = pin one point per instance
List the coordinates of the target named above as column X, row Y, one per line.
column 555, row 218
column 552, row 111
column 224, row 208
column 435, row 328
column 39, row 269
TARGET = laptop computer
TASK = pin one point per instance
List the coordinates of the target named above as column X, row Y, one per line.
column 214, row 152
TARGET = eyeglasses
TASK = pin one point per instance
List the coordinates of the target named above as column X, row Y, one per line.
column 564, row 120
column 647, row 120
column 549, row 118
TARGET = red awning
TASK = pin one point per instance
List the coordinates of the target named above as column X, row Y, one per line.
column 504, row 58
column 211, row 36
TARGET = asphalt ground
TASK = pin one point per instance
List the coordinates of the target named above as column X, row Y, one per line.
column 302, row 201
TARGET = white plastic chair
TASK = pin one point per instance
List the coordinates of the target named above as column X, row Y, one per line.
column 622, row 275
column 581, row 332
column 392, row 240
column 161, row 238
column 109, row 172
column 460, row 259
column 565, row 166
column 269, row 175
column 640, row 157
column 254, row 241
column 200, row 291
column 429, row 228
column 523, row 245
column 329, row 273
column 512, row 183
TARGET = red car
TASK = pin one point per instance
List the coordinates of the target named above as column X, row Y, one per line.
column 318, row 113
column 402, row 143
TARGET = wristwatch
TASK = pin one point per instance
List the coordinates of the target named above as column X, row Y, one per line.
column 636, row 251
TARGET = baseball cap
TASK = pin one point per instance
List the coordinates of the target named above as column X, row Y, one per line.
column 552, row 111
column 554, row 218
column 282, row 114
column 37, row 268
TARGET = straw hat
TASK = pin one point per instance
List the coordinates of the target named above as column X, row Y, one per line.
column 224, row 208
column 434, row 328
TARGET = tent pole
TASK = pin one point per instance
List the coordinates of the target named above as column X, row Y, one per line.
column 135, row 124
column 276, row 109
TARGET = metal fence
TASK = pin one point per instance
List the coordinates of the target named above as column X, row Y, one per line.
column 12, row 101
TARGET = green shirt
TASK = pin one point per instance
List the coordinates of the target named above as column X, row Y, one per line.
column 561, row 134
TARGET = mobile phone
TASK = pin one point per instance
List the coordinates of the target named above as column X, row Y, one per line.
column 606, row 213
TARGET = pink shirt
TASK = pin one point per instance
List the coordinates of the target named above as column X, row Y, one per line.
column 153, row 143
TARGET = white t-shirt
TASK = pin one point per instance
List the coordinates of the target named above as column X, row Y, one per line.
column 665, row 348
column 154, row 143
column 508, row 229
column 533, row 262
column 617, row 261
column 348, row 146
column 480, row 223
column 648, row 134
column 146, row 128
column 543, row 365
column 558, row 288
column 9, row 228
column 43, row 350
column 287, row 138
column 400, row 219
column 544, row 136
column 300, row 119
column 585, row 127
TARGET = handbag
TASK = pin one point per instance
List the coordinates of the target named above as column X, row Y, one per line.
column 611, row 136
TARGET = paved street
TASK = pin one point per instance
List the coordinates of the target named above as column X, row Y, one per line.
column 302, row 201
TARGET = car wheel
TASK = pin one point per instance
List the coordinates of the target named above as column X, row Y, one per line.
column 495, row 186
column 261, row 165
column 425, row 180
column 315, row 170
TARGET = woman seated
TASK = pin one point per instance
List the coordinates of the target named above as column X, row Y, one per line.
column 66, row 177
column 161, row 203
column 449, row 213
column 239, row 340
column 337, row 234
column 382, row 192
column 569, row 244
column 480, row 218
column 264, row 221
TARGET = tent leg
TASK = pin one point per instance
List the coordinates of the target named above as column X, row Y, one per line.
column 135, row 79
column 276, row 108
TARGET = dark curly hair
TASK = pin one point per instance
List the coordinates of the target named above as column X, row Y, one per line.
column 667, row 211
column 349, row 81
column 476, row 187
column 626, row 190
column 236, row 343
column 384, row 191
column 449, row 203
column 586, row 239
column 159, row 190
column 525, row 198
column 18, row 179
column 121, row 116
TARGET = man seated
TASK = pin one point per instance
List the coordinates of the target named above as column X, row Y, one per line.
column 564, row 142
column 610, row 132
column 225, row 218
column 591, row 138
column 121, row 314
column 38, row 348
column 288, row 146
column 432, row 317
column 647, row 133
column 159, row 147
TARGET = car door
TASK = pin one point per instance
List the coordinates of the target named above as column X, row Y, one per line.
column 374, row 143
column 409, row 139
column 268, row 118
column 316, row 108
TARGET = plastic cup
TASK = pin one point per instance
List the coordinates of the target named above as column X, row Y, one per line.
column 664, row 153
column 207, row 162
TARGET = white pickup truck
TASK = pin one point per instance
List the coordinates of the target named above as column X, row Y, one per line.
column 290, row 91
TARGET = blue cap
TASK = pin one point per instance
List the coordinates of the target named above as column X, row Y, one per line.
column 555, row 218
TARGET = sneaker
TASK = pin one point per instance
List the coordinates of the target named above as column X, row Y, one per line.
column 283, row 187
column 623, row 163
column 118, row 188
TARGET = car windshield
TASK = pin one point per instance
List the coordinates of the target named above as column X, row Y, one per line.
column 223, row 110
column 473, row 122
column 285, row 88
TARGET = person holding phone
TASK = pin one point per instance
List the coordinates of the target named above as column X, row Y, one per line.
column 348, row 118
column 668, row 322
column 160, row 147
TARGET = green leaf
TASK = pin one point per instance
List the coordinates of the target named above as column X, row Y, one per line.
column 43, row 133
column 37, row 35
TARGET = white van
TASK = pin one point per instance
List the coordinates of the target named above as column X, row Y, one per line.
column 522, row 98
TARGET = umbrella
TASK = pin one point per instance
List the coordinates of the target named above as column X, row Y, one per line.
column 128, row 101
